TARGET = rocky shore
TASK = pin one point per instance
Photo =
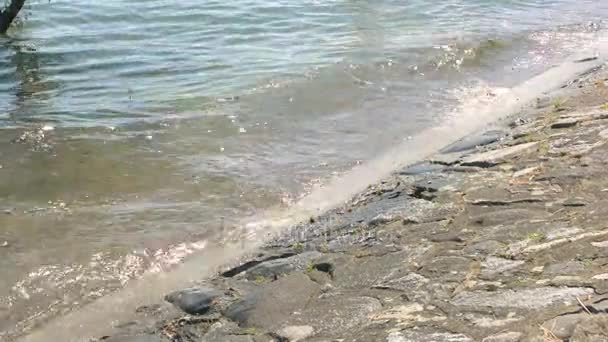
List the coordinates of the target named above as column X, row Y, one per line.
column 502, row 237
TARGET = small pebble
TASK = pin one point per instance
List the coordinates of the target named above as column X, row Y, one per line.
column 4, row 244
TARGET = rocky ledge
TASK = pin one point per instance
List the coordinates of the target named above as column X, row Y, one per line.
column 502, row 237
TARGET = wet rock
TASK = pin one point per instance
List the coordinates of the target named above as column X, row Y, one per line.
column 270, row 270
column 509, row 336
column 563, row 326
column 422, row 167
column 591, row 329
column 495, row 157
column 295, row 333
column 524, row 298
column 473, row 141
column 256, row 261
column 194, row 301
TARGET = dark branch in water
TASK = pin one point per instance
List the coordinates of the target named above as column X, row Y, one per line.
column 9, row 14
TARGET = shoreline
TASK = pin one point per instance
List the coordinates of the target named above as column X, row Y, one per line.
column 401, row 261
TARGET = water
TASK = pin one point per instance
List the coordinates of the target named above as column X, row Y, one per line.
column 131, row 133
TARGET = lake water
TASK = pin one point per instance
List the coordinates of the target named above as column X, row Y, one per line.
column 130, row 132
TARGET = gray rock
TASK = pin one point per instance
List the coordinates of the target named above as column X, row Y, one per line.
column 526, row 298
column 473, row 141
column 295, row 333
column 510, row 336
column 564, row 123
column 270, row 270
column 194, row 301
column 487, row 247
column 225, row 331
column 411, row 281
column 273, row 303
column 495, row 157
column 591, row 329
column 504, row 216
column 140, row 338
column 599, row 307
column 336, row 315
column 563, row 326
column 494, row 266
column 447, row 237
column 422, row 167
column 566, row 268
column 426, row 336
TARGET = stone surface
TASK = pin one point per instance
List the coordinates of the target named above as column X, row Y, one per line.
column 563, row 326
column 336, row 315
column 295, row 333
column 140, row 338
column 496, row 157
column 527, row 298
column 261, row 308
column 510, row 336
column 591, row 329
column 194, row 301
column 473, row 141
column 567, row 268
column 270, row 270
column 426, row 336
column 494, row 266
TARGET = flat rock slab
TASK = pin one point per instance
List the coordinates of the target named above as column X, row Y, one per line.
column 510, row 336
column 421, row 167
column 527, row 298
column 591, row 329
column 422, row 336
column 473, row 141
column 274, row 303
column 495, row 157
column 563, row 326
column 336, row 315
column 140, row 338
column 494, row 266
